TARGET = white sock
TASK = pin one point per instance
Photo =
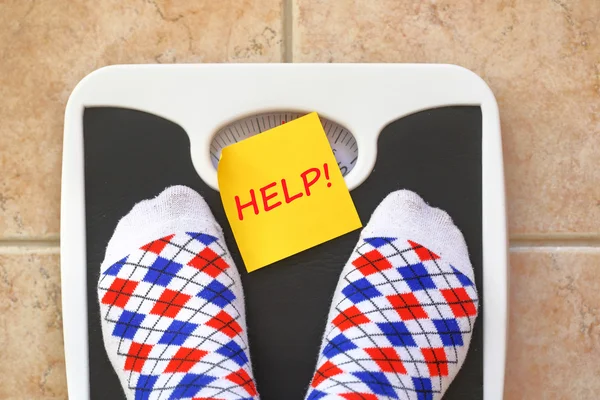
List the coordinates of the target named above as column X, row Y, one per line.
column 172, row 306
column 403, row 311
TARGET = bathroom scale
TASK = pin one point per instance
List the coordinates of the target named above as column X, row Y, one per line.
column 131, row 131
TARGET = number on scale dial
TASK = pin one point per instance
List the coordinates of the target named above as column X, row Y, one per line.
column 341, row 140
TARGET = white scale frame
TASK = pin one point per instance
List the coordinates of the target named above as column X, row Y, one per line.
column 201, row 99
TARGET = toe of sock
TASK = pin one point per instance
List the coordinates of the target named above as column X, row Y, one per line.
column 179, row 202
column 175, row 209
column 398, row 206
column 182, row 200
column 404, row 214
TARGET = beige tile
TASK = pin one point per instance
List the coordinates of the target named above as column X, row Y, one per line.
column 32, row 364
column 554, row 336
column 541, row 59
column 46, row 47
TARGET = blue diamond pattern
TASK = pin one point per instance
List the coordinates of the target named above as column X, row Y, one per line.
column 233, row 351
column 177, row 332
column 397, row 333
column 417, row 277
column 143, row 388
column 337, row 345
column 462, row 278
column 377, row 382
column 217, row 293
column 116, row 267
column 316, row 395
column 449, row 331
column 360, row 290
column 162, row 271
column 191, row 384
column 423, row 388
column 379, row 241
column 128, row 324
column 203, row 238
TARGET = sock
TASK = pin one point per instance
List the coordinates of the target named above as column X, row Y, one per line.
column 171, row 304
column 403, row 311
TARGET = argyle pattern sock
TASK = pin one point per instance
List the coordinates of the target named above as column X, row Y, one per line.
column 403, row 311
column 172, row 306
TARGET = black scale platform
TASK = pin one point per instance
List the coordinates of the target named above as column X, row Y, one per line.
column 131, row 155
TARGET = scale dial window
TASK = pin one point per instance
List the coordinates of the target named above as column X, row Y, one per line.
column 341, row 139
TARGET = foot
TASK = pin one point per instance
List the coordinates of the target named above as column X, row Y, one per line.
column 403, row 311
column 172, row 305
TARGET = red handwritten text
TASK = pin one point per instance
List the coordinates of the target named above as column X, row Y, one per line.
column 270, row 194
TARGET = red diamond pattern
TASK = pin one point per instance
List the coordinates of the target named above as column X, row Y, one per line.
column 209, row 262
column 185, row 359
column 326, row 370
column 205, row 398
column 145, row 315
column 169, row 303
column 225, row 323
column 137, row 356
column 359, row 396
column 349, row 318
column 459, row 301
column 376, row 303
column 436, row 361
column 423, row 253
column 119, row 292
column 407, row 306
column 371, row 262
column 387, row 358
column 242, row 378
column 158, row 245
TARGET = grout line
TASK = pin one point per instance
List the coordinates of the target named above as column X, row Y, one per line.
column 553, row 242
column 550, row 249
column 4, row 250
column 29, row 244
column 554, row 236
column 516, row 242
column 288, row 31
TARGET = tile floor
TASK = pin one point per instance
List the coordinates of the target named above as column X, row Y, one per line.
column 540, row 57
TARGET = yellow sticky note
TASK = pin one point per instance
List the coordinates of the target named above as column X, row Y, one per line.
column 283, row 192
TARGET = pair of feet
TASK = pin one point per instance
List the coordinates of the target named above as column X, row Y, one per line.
column 174, row 324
